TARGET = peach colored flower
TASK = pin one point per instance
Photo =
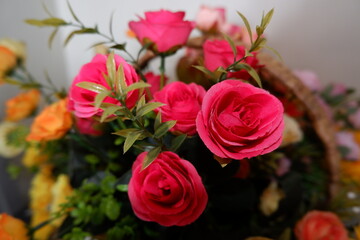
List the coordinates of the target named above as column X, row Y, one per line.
column 7, row 59
column 12, row 228
column 17, row 47
column 52, row 123
column 22, row 105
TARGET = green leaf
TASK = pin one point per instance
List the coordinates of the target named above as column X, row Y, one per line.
column 232, row 45
column 81, row 31
column 52, row 36
column 274, row 51
column 92, row 159
column 247, row 25
column 72, row 12
column 259, row 30
column 250, row 70
column 120, row 84
column 122, row 187
column 94, row 87
column 119, row 46
column 148, row 107
column 150, row 157
column 157, row 121
column 164, row 128
column 177, row 141
column 111, row 67
column 46, row 9
column 35, row 22
column 110, row 111
column 13, row 170
column 221, row 70
column 131, row 138
column 54, row 22
column 206, row 71
column 125, row 132
column 266, row 20
column 99, row 98
column 111, row 25
column 137, row 85
column 140, row 103
column 111, row 208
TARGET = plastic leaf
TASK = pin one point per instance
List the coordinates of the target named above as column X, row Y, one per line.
column 111, row 67
column 150, row 157
column 232, row 44
column 120, row 84
column 122, row 187
column 157, row 121
column 177, row 141
column 72, row 12
column 148, row 107
column 94, row 87
column 52, row 36
column 82, row 31
column 125, row 132
column 251, row 71
column 247, row 25
column 130, row 139
column 137, row 85
column 109, row 111
column 119, row 46
column 164, row 128
column 206, row 71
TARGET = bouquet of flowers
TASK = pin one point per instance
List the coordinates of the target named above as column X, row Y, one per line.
column 238, row 147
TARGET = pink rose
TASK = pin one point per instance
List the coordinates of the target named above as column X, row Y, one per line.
column 167, row 30
column 82, row 100
column 310, row 79
column 218, row 53
column 154, row 81
column 183, row 102
column 347, row 139
column 210, row 19
column 320, row 225
column 88, row 126
column 169, row 191
column 238, row 120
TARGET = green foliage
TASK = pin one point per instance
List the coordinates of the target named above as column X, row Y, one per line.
column 13, row 170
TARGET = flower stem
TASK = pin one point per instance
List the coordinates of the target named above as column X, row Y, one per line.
column 162, row 71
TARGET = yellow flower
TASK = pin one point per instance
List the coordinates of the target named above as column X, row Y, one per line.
column 350, row 171
column 40, row 200
column 12, row 228
column 292, row 131
column 22, row 105
column 34, row 156
column 7, row 59
column 7, row 150
column 60, row 191
column 357, row 232
column 17, row 47
column 270, row 198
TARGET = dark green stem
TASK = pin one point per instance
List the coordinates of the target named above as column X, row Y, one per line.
column 162, row 71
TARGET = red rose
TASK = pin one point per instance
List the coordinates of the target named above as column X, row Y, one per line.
column 320, row 225
column 169, row 191
column 183, row 102
column 167, row 30
column 82, row 100
column 238, row 120
column 218, row 53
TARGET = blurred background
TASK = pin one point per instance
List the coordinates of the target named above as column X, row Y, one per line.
column 321, row 35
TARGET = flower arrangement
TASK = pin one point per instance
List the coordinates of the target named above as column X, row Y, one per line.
column 223, row 152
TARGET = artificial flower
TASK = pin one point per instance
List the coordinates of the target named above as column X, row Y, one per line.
column 292, row 131
column 61, row 190
column 347, row 140
column 52, row 123
column 17, row 47
column 310, row 79
column 354, row 119
column 82, row 100
column 320, row 225
column 238, row 120
column 350, row 171
column 270, row 198
column 218, row 53
column 169, row 191
column 12, row 228
column 22, row 105
column 7, row 59
column 154, row 81
column 40, row 200
column 165, row 30
column 210, row 20
column 6, row 149
column 89, row 126
column 34, row 156
column 182, row 103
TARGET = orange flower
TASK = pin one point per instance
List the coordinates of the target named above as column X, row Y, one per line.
column 12, row 228
column 52, row 123
column 7, row 59
column 22, row 105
